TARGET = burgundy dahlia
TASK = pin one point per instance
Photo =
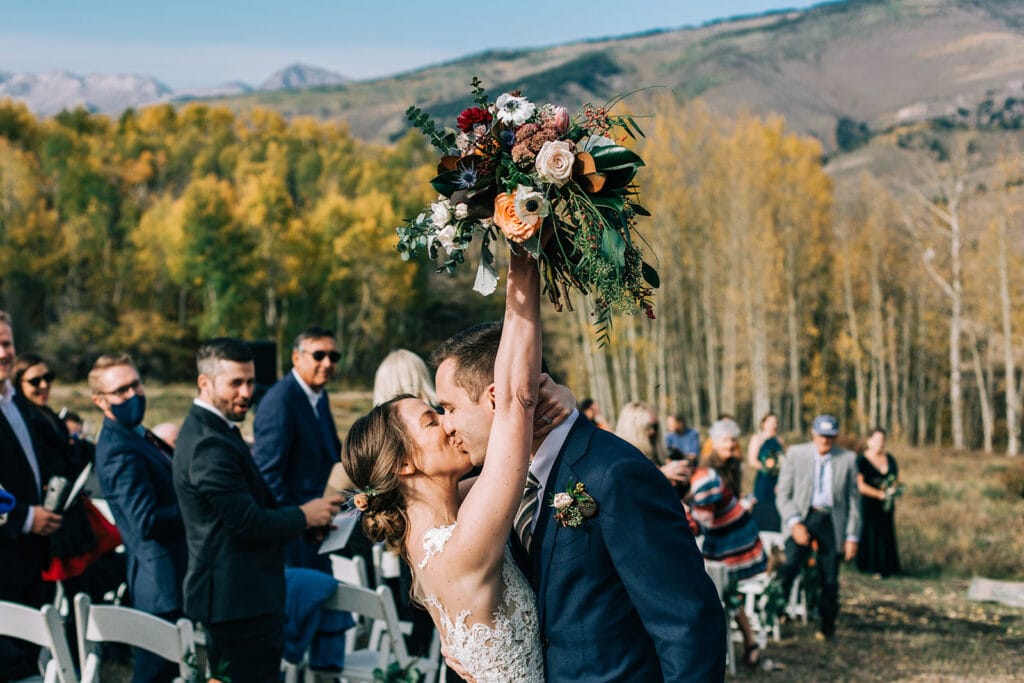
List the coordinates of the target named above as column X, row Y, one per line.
column 471, row 117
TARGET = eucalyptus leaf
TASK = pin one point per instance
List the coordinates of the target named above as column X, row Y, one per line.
column 486, row 279
column 650, row 274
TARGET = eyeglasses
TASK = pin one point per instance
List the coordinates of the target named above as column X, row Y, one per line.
column 48, row 378
column 318, row 356
column 122, row 391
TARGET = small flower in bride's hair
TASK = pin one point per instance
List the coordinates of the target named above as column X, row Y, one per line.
column 561, row 501
column 361, row 501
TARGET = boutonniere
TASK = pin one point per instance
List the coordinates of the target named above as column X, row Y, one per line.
column 573, row 505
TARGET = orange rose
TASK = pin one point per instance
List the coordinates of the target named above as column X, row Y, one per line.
column 511, row 225
column 361, row 501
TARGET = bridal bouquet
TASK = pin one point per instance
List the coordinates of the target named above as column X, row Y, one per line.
column 516, row 167
column 892, row 490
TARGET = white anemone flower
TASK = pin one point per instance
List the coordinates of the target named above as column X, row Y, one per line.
column 514, row 110
column 531, row 206
column 441, row 213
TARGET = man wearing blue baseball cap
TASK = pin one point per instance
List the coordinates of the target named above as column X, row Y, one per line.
column 817, row 499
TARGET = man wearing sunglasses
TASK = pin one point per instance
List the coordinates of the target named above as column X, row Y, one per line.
column 295, row 440
column 134, row 469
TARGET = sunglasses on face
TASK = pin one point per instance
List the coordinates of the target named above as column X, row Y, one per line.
column 318, row 356
column 48, row 378
column 123, row 391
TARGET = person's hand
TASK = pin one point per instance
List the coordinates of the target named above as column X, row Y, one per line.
column 850, row 550
column 45, row 522
column 555, row 404
column 677, row 471
column 800, row 534
column 320, row 511
column 456, row 666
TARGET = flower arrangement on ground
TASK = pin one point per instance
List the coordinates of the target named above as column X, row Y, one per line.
column 519, row 168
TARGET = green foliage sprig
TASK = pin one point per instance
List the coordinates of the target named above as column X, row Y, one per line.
column 396, row 674
column 443, row 140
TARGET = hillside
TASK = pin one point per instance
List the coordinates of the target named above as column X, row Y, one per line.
column 878, row 62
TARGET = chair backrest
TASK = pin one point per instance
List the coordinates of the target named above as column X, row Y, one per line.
column 386, row 565
column 719, row 573
column 377, row 605
column 42, row 627
column 111, row 624
column 350, row 570
column 773, row 539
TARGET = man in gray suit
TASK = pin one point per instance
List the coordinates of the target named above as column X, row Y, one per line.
column 818, row 500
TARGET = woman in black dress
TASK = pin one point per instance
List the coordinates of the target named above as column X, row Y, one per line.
column 878, row 482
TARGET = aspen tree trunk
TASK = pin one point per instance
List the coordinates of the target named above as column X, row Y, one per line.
column 793, row 330
column 851, row 317
column 881, row 412
column 632, row 366
column 1009, row 369
column 710, row 332
column 955, row 331
column 693, row 364
column 984, row 399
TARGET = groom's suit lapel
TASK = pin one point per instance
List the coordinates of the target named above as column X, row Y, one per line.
column 544, row 536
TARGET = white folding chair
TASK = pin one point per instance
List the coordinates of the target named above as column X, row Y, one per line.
column 109, row 624
column 44, row 628
column 719, row 574
column 388, row 566
column 350, row 570
column 376, row 605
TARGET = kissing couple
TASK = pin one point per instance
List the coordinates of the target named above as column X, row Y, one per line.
column 569, row 557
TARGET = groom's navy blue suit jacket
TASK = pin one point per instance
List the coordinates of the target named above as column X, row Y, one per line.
column 624, row 597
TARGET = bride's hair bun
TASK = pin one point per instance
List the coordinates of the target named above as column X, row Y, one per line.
column 374, row 450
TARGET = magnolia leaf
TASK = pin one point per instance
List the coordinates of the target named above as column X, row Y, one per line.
column 650, row 274
column 615, row 156
column 446, row 183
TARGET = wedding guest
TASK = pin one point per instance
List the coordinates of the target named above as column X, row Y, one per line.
column 589, row 409
column 878, row 483
column 295, row 441
column 638, row 426
column 818, row 500
column 236, row 530
column 681, row 437
column 730, row 534
column 134, row 469
column 24, row 546
column 764, row 456
column 168, row 431
column 403, row 372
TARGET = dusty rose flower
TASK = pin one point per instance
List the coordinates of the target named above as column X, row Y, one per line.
column 562, row 500
column 560, row 120
column 508, row 221
column 554, row 162
column 361, row 501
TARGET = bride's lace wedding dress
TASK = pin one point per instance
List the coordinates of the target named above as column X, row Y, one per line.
column 507, row 651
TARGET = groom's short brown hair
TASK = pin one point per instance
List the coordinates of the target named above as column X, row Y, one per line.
column 473, row 351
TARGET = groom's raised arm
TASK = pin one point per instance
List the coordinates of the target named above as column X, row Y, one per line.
column 662, row 569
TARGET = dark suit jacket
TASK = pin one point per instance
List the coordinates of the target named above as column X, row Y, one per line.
column 623, row 597
column 137, row 480
column 234, row 528
column 22, row 556
column 290, row 446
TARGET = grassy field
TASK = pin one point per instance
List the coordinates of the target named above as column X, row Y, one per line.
column 962, row 515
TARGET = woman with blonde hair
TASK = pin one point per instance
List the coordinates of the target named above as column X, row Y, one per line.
column 403, row 372
column 638, row 426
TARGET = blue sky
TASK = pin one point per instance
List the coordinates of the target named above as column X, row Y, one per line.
column 187, row 43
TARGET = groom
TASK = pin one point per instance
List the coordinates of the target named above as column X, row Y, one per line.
column 623, row 596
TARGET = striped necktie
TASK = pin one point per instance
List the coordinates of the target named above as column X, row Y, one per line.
column 527, row 509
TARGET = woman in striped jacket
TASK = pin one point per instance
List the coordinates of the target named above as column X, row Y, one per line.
column 730, row 533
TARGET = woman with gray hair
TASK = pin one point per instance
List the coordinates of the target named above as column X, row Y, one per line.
column 730, row 534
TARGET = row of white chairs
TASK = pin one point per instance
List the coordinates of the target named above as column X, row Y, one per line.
column 382, row 641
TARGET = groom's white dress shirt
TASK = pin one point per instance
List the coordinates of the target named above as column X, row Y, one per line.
column 545, row 458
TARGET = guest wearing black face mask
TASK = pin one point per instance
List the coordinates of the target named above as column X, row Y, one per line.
column 134, row 469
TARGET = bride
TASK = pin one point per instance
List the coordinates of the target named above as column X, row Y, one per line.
column 407, row 471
